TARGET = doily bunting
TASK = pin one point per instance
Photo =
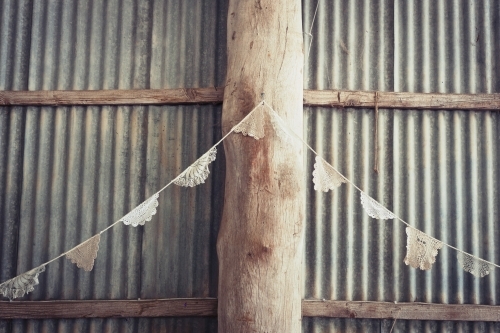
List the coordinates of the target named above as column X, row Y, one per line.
column 374, row 209
column 85, row 254
column 324, row 177
column 280, row 128
column 197, row 172
column 21, row 284
column 475, row 266
column 142, row 213
column 253, row 125
column 421, row 249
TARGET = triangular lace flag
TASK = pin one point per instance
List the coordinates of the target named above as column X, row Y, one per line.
column 324, row 177
column 374, row 209
column 253, row 125
column 280, row 128
column 197, row 172
column 475, row 266
column 421, row 249
column 84, row 255
column 21, row 284
column 142, row 213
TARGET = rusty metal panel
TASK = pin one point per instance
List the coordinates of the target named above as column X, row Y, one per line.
column 438, row 170
column 72, row 171
column 324, row 325
column 68, row 172
column 82, row 169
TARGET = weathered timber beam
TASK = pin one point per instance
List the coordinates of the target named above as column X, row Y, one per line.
column 401, row 100
column 113, row 97
column 328, row 98
column 408, row 311
column 176, row 307
column 196, row 307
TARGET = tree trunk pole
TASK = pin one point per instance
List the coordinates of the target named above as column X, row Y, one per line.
column 260, row 239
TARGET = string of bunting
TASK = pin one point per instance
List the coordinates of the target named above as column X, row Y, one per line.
column 84, row 254
column 422, row 249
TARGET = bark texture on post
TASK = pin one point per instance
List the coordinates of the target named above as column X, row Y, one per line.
column 260, row 239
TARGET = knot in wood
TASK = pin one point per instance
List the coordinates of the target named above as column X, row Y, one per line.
column 351, row 102
column 190, row 94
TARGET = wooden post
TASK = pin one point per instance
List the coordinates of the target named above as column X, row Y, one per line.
column 260, row 238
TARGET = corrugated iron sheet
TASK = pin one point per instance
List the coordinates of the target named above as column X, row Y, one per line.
column 438, row 170
column 67, row 172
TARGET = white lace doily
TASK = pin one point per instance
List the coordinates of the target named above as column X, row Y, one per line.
column 253, row 125
column 374, row 209
column 324, row 177
column 421, row 249
column 280, row 128
column 21, row 284
column 197, row 172
column 84, row 255
column 473, row 265
column 142, row 213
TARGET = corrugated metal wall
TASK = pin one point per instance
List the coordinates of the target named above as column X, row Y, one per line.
column 68, row 172
column 439, row 170
column 72, row 171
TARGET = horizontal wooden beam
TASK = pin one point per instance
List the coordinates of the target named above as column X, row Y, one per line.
column 401, row 100
column 195, row 307
column 327, row 98
column 176, row 307
column 112, row 97
column 408, row 311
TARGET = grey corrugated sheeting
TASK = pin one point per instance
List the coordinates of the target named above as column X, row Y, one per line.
column 72, row 171
column 68, row 172
column 439, row 170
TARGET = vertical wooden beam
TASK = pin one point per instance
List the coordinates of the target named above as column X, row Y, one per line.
column 260, row 239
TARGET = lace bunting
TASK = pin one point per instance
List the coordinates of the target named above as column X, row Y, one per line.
column 421, row 249
column 84, row 255
column 197, row 172
column 21, row 284
column 142, row 213
column 374, row 209
column 473, row 265
column 253, row 125
column 280, row 128
column 324, row 177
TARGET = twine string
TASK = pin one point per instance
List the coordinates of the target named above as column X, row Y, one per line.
column 310, row 31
